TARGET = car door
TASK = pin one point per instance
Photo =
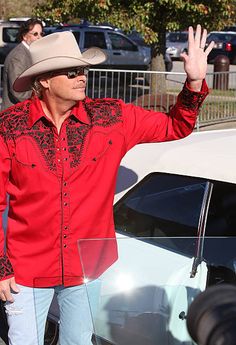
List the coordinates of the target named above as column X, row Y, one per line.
column 125, row 54
column 158, row 221
column 96, row 38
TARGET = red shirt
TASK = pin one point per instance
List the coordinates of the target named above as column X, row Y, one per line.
column 61, row 186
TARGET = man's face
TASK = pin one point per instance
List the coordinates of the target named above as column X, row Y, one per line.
column 35, row 33
column 67, row 85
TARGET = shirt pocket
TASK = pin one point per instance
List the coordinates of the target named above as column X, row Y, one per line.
column 23, row 154
column 104, row 145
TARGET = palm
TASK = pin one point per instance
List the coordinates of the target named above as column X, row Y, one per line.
column 195, row 62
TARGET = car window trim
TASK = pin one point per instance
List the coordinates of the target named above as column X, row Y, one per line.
column 202, row 228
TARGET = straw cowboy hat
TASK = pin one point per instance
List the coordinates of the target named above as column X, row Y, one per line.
column 54, row 52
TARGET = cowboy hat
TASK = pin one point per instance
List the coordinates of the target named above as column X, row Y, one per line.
column 56, row 51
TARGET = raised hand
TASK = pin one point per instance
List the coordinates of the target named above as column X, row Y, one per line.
column 195, row 61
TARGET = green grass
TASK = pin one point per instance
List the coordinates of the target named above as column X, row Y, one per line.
column 227, row 93
column 218, row 111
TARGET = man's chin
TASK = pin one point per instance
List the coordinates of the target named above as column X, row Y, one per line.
column 80, row 97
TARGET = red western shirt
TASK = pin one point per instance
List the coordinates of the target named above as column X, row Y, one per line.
column 61, row 185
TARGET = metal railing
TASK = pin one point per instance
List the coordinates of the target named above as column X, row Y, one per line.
column 142, row 88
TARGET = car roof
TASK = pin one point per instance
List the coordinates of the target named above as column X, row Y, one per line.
column 9, row 24
column 209, row 154
column 85, row 28
column 222, row 32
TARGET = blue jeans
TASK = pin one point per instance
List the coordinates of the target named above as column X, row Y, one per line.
column 28, row 313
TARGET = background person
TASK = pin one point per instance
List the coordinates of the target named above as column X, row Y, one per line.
column 59, row 156
column 18, row 60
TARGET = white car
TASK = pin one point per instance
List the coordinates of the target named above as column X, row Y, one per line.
column 176, row 43
column 175, row 219
column 8, row 38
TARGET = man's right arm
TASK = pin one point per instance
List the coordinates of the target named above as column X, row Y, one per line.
column 7, row 280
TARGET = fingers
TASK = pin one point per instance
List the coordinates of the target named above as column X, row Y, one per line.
column 209, row 48
column 198, row 35
column 5, row 294
column 13, row 285
column 190, row 37
column 6, row 286
column 203, row 39
column 199, row 39
column 184, row 56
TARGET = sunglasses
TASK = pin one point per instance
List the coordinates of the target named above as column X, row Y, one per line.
column 35, row 34
column 73, row 73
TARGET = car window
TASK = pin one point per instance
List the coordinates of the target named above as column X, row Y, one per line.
column 94, row 39
column 162, row 205
column 10, row 35
column 136, row 37
column 177, row 37
column 233, row 41
column 219, row 37
column 221, row 220
column 121, row 43
column 220, row 235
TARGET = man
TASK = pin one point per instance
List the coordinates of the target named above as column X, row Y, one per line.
column 18, row 60
column 59, row 156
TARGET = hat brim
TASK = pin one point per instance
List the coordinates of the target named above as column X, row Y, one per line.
column 92, row 56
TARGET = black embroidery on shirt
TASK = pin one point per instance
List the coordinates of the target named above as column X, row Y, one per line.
column 191, row 100
column 5, row 267
column 104, row 113
column 76, row 137
column 14, row 123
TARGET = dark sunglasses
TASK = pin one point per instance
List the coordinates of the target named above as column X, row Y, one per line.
column 35, row 34
column 73, row 73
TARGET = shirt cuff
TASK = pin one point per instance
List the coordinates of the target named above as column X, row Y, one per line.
column 5, row 267
column 190, row 99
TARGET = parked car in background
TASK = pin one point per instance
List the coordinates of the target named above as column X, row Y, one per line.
column 18, row 20
column 136, row 37
column 176, row 43
column 230, row 28
column 8, row 38
column 122, row 52
column 9, row 31
column 178, row 219
column 225, row 44
column 49, row 30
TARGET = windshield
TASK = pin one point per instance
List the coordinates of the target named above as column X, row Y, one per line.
column 177, row 37
column 220, row 37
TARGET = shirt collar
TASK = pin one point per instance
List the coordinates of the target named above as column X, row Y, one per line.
column 80, row 112
column 25, row 44
column 36, row 112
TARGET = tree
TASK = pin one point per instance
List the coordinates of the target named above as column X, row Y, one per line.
column 21, row 8
column 150, row 18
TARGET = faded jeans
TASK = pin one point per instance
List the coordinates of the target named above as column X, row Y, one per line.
column 28, row 313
